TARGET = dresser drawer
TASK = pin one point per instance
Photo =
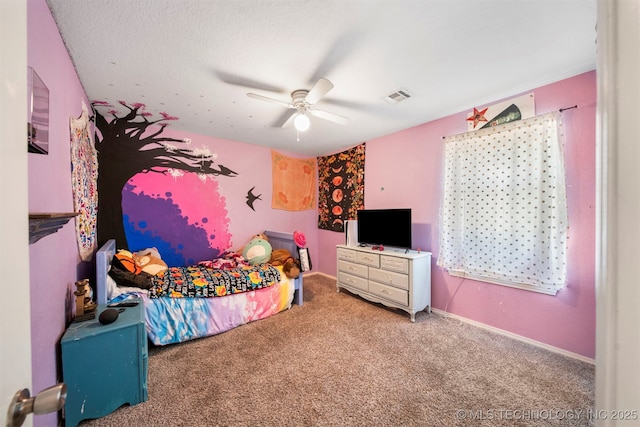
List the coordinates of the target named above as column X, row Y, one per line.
column 401, row 265
column 346, row 254
column 351, row 268
column 347, row 279
column 389, row 292
column 367, row 258
column 389, row 278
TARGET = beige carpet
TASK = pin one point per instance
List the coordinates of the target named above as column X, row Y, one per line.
column 340, row 360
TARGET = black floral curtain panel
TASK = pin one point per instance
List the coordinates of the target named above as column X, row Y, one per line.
column 341, row 187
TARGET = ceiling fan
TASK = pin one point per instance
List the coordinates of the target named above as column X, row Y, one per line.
column 303, row 102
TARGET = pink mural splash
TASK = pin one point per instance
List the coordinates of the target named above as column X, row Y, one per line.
column 184, row 216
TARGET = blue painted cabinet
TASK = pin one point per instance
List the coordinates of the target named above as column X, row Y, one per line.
column 104, row 366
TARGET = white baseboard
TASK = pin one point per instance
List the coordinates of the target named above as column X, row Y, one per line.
column 516, row 336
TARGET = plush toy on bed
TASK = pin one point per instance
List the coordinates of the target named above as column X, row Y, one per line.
column 290, row 265
column 258, row 250
column 149, row 261
column 136, row 269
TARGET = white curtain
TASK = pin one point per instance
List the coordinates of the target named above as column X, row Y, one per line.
column 504, row 209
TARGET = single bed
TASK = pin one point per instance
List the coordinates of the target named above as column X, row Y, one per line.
column 174, row 320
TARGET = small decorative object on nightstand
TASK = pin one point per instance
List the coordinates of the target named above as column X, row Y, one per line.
column 104, row 366
column 85, row 307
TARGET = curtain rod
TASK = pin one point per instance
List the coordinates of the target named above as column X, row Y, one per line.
column 567, row 108
column 560, row 110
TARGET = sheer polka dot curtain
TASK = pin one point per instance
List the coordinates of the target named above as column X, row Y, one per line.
column 504, row 209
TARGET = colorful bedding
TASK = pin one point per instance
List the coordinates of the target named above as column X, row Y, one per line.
column 199, row 281
column 174, row 320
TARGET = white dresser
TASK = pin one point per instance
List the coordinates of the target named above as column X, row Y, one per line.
column 391, row 277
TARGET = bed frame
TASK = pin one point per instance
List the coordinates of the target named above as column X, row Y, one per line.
column 104, row 255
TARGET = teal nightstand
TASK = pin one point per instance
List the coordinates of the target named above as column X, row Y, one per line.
column 104, row 366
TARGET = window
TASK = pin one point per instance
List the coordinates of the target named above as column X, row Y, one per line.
column 504, row 208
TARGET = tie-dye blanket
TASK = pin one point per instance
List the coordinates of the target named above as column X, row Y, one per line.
column 202, row 282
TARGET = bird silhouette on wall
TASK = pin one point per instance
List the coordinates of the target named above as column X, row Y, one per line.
column 226, row 171
column 252, row 198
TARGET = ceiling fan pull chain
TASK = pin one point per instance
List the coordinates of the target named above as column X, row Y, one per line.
column 297, row 135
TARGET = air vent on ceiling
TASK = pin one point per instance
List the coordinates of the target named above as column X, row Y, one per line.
column 397, row 96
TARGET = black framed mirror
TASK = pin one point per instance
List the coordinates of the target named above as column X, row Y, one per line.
column 37, row 114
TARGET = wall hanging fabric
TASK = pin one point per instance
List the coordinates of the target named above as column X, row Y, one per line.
column 84, row 183
column 294, row 182
column 504, row 208
column 341, row 187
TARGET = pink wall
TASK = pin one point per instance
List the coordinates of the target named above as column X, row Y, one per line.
column 414, row 156
column 54, row 261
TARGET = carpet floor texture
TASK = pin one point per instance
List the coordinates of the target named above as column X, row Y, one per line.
column 339, row 360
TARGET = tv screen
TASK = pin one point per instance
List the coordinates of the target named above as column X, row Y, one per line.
column 386, row 227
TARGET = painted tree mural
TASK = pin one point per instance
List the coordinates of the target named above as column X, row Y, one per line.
column 131, row 144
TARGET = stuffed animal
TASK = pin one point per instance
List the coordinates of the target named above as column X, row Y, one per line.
column 260, row 236
column 255, row 236
column 240, row 251
column 290, row 265
column 150, row 262
column 257, row 251
column 123, row 260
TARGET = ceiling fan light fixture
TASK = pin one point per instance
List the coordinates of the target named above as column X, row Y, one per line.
column 301, row 122
column 303, row 101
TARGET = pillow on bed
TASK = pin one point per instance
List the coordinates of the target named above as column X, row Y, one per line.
column 149, row 261
column 141, row 280
column 113, row 290
column 124, row 260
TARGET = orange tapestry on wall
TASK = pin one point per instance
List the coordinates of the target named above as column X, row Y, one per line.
column 294, row 182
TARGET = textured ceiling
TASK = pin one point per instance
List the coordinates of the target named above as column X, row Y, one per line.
column 197, row 59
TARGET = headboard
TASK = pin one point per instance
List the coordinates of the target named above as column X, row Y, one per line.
column 283, row 240
column 104, row 255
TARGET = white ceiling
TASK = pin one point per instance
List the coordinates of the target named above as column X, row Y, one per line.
column 197, row 59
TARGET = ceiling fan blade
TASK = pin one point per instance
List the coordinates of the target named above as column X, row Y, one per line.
column 329, row 116
column 320, row 89
column 272, row 100
column 289, row 122
column 237, row 80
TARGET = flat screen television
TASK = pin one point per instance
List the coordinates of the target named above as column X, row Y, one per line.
column 386, row 227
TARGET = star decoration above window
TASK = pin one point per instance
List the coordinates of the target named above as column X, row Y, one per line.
column 478, row 116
